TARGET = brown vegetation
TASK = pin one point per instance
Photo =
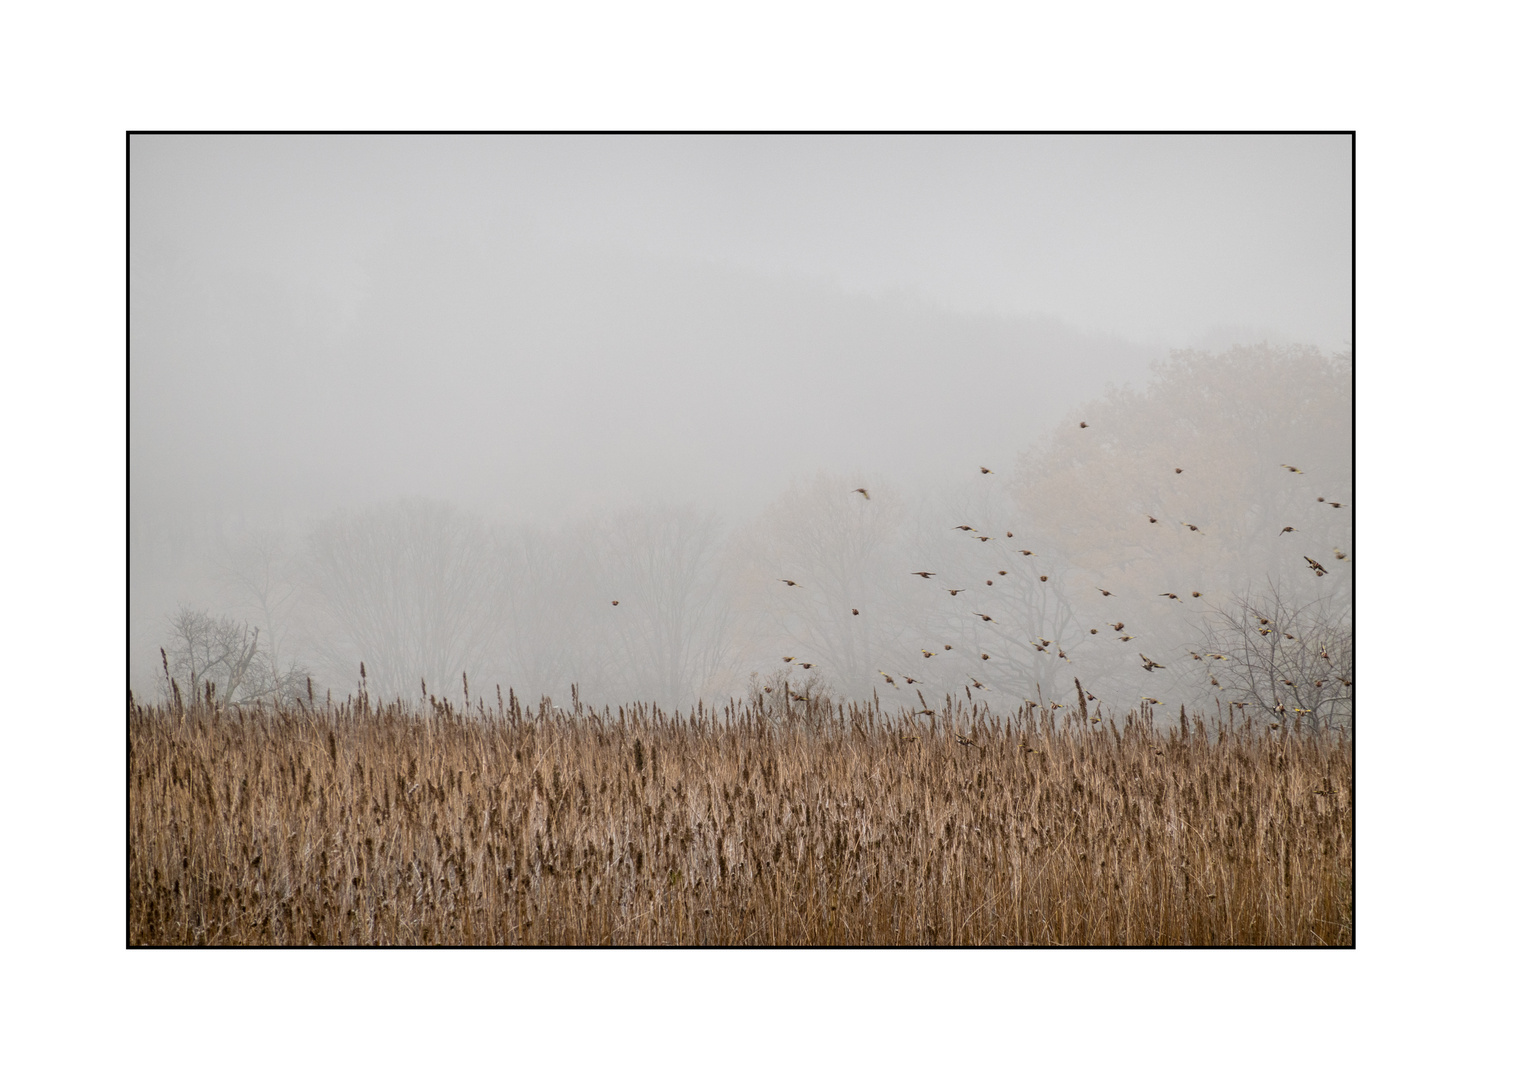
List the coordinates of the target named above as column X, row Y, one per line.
column 830, row 824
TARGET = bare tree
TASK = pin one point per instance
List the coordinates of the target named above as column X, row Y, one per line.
column 1287, row 659
column 410, row 589
column 223, row 659
column 670, row 634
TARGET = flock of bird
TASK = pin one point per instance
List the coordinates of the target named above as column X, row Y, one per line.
column 1043, row 645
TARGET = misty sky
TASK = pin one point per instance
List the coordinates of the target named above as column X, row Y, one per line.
column 548, row 325
column 1156, row 238
column 552, row 331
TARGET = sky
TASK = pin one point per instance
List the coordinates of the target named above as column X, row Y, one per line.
column 545, row 326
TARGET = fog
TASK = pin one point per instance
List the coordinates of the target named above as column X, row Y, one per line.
column 431, row 404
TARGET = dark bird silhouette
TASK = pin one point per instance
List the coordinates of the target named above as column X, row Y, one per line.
column 1335, row 505
column 1127, row 637
column 989, row 581
column 1340, row 556
column 1314, row 565
column 947, row 648
column 1044, row 578
column 984, row 539
column 1106, row 592
column 1191, row 528
column 798, row 697
column 924, row 574
column 984, row 618
column 1083, row 424
column 1150, row 663
column 1010, row 534
column 963, row 528
column 862, row 491
column 615, row 603
column 986, row 657
column 1196, row 656
column 1118, row 627
column 1321, row 498
column 978, row 685
column 1025, row 551
column 1170, row 596
column 1177, row 470
column 985, row 470
column 854, row 610
column 926, row 653
column 911, row 680
column 1285, row 529
column 889, row 679
column 1291, row 468
column 807, row 666
column 788, row 581
column 1151, row 519
column 1196, row 594
column 1094, row 630
column 953, row 592
column 1002, row 573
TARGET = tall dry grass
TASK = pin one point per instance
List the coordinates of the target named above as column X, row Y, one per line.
column 832, row 824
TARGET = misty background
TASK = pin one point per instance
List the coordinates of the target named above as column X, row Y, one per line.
column 432, row 403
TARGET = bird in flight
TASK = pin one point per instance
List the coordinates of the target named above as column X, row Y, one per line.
column 986, row 657
column 1340, row 556
column 788, row 581
column 1196, row 594
column 1177, row 470
column 1010, row 534
column 984, row 539
column 1285, row 529
column 787, row 659
column 1196, row 656
column 615, row 603
column 1150, row 663
column 926, row 653
column 889, row 679
column 1314, row 565
column 963, row 528
column 1083, row 424
column 1002, row 573
column 985, row 470
column 989, row 581
column 1106, row 592
column 1025, row 551
column 924, row 574
column 1152, row 701
column 1170, row 596
column 1127, row 637
column 1118, row 627
column 1291, row 468
column 947, row 648
column 1191, row 528
column 978, row 685
column 807, row 666
column 911, row 680
column 953, row 592
column 1335, row 505
column 854, row 610
column 1151, row 519
column 1044, row 578
column 1094, row 630
column 984, row 618
column 861, row 491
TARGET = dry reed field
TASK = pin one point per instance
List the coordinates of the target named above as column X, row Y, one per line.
column 835, row 823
